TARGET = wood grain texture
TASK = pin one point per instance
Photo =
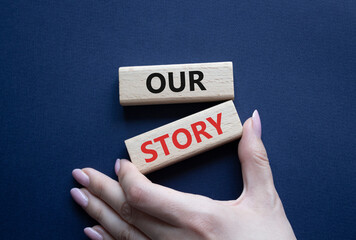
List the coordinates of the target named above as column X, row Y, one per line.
column 217, row 80
column 147, row 150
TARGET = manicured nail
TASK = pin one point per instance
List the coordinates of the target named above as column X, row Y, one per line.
column 81, row 177
column 256, row 123
column 79, row 197
column 117, row 166
column 92, row 234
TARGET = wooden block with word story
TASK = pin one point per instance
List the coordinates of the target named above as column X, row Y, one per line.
column 181, row 83
column 184, row 138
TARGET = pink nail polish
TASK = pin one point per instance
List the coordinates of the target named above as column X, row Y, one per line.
column 256, row 123
column 117, row 166
column 81, row 177
column 79, row 197
column 92, row 234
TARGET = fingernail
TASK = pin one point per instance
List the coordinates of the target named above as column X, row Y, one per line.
column 256, row 123
column 79, row 197
column 92, row 234
column 81, row 177
column 117, row 166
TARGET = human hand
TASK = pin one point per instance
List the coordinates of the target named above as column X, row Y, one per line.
column 136, row 208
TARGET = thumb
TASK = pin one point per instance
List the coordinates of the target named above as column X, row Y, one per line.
column 256, row 171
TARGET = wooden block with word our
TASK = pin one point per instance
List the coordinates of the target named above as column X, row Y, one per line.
column 180, row 83
column 184, row 138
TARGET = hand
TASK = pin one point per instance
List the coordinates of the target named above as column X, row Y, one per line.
column 136, row 208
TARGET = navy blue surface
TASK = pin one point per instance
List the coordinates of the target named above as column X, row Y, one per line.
column 295, row 61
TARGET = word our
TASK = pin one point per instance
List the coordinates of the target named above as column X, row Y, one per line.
column 192, row 81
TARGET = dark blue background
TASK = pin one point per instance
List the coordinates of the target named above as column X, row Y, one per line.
column 295, row 61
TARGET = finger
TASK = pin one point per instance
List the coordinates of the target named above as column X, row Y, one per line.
column 104, row 187
column 111, row 193
column 164, row 203
column 105, row 215
column 256, row 171
column 149, row 225
column 97, row 233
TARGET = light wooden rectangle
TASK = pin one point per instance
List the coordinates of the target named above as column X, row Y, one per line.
column 216, row 78
column 230, row 129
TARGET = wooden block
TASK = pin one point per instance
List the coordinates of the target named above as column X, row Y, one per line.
column 181, row 83
column 184, row 138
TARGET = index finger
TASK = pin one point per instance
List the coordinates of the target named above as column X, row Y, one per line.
column 164, row 203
